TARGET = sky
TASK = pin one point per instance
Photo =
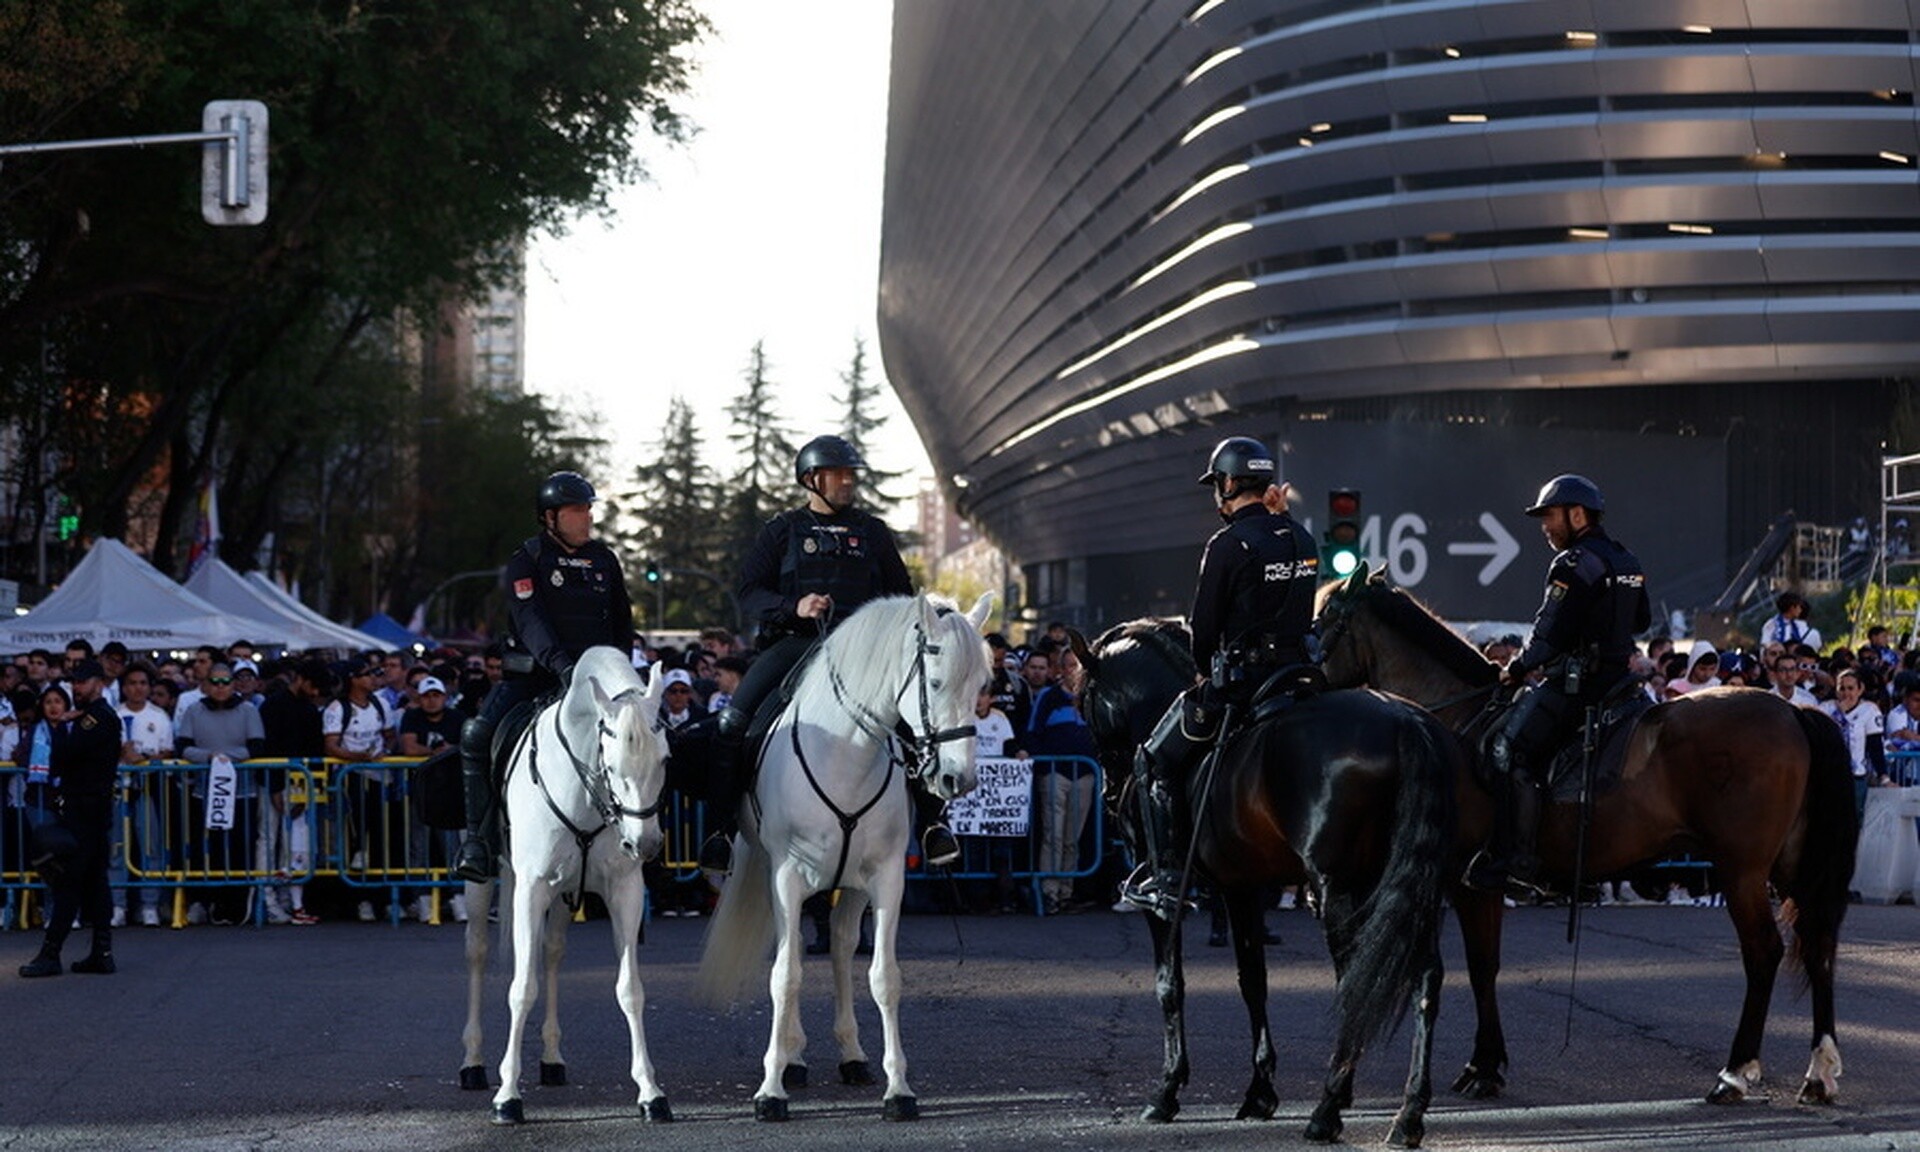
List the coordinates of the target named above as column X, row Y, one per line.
column 766, row 226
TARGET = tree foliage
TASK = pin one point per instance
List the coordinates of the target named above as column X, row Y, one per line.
column 671, row 513
column 757, row 491
column 860, row 420
column 413, row 144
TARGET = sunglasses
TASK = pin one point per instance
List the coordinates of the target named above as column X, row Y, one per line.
column 220, row 680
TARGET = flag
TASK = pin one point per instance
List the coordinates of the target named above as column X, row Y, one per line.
column 206, row 529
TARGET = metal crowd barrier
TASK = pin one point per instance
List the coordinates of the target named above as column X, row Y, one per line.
column 1022, row 859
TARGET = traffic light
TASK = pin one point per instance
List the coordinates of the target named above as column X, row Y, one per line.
column 1340, row 554
column 69, row 526
column 653, row 572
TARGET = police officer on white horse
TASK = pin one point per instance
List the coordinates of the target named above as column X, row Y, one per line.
column 566, row 592
column 1252, row 617
column 1596, row 600
column 808, row 570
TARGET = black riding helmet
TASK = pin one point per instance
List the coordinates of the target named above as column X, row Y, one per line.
column 825, row 452
column 1239, row 463
column 560, row 490
column 1568, row 488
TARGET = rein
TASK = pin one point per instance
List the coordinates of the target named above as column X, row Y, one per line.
column 599, row 794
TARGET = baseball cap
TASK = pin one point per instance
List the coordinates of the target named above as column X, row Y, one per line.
column 678, row 676
column 431, row 684
column 245, row 665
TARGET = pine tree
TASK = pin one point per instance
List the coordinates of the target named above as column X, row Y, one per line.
column 861, row 421
column 671, row 525
column 759, row 489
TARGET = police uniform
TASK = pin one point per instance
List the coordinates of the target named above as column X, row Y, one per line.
column 84, row 763
column 1253, row 606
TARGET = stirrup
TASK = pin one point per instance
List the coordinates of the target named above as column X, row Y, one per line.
column 938, row 845
column 716, row 855
column 1484, row 873
column 475, row 862
column 1149, row 890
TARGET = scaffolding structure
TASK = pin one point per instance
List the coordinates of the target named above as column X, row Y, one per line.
column 1899, row 506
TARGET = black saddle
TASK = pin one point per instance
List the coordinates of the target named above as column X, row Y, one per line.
column 1281, row 690
column 1619, row 714
column 690, row 746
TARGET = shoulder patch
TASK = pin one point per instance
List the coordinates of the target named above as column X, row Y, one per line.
column 88, row 721
column 523, row 589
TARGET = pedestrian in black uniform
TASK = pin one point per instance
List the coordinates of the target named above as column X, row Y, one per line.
column 1252, row 617
column 82, row 769
column 808, row 570
column 566, row 592
column 1596, row 599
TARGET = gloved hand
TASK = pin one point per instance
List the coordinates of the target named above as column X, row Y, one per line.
column 1514, row 674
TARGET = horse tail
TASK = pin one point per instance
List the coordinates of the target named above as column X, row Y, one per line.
column 1818, row 886
column 740, row 933
column 1397, row 939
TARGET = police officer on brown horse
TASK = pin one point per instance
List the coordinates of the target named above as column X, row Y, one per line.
column 1252, row 617
column 566, row 593
column 807, row 571
column 1596, row 600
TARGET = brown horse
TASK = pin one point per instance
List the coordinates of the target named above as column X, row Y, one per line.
column 1757, row 786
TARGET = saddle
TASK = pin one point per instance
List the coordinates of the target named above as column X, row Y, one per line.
column 1281, row 690
column 690, row 746
column 1618, row 717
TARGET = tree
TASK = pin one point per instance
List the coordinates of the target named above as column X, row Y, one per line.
column 862, row 419
column 414, row 143
column 757, row 491
column 672, row 512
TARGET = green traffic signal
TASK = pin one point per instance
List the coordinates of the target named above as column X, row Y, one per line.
column 1340, row 553
column 653, row 572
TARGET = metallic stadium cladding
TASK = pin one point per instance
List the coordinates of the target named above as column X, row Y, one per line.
column 1116, row 231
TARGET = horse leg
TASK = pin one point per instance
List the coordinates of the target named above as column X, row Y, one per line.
column 473, row 1071
column 1760, row 952
column 1248, row 922
column 770, row 1102
column 1409, row 1127
column 1170, row 985
column 530, row 899
column 1341, row 912
column 1481, row 915
column 883, row 978
column 553, row 1066
column 626, row 898
column 1823, row 1068
column 846, row 1029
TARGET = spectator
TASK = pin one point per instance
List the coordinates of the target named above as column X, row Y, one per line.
column 1789, row 625
column 359, row 729
column 166, row 695
column 1786, row 681
column 221, row 724
column 246, row 682
column 727, row 671
column 993, row 736
column 1057, row 736
column 1036, row 673
column 678, row 707
column 424, row 730
column 1903, row 731
column 291, row 719
column 1878, row 651
column 196, row 675
column 42, row 670
column 392, row 678
column 113, row 660
column 1862, row 726
column 1703, row 664
column 146, row 736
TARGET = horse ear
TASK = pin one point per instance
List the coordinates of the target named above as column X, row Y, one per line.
column 981, row 610
column 1082, row 652
column 601, row 700
column 1358, row 580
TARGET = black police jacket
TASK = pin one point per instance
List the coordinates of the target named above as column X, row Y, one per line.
column 1596, row 600
column 85, row 757
column 849, row 556
column 562, row 602
column 1257, row 578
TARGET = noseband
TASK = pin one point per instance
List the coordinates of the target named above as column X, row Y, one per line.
column 914, row 744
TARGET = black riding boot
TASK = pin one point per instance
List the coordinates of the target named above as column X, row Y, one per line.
column 1522, row 865
column 724, row 789
column 938, row 847
column 99, row 962
column 1156, row 884
column 480, row 851
column 45, row 963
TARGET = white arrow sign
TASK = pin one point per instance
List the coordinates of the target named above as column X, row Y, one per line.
column 1500, row 548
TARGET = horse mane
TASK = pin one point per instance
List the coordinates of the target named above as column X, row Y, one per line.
column 1167, row 634
column 1399, row 611
column 877, row 627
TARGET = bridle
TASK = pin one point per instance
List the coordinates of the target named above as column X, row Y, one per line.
column 1336, row 616
column 596, row 780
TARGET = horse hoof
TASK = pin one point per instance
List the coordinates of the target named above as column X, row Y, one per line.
column 1407, row 1132
column 657, row 1110
column 510, row 1112
column 553, row 1075
column 856, row 1073
column 1160, row 1111
column 1814, row 1092
column 1477, row 1085
column 1724, row 1093
column 900, row 1108
column 769, row 1108
column 473, row 1078
column 1324, row 1129
column 793, row 1076
column 1257, row 1108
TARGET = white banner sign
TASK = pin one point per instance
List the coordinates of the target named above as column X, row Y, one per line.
column 1001, row 806
column 220, row 790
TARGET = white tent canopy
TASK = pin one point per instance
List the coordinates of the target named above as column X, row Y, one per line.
column 350, row 637
column 112, row 594
column 226, row 589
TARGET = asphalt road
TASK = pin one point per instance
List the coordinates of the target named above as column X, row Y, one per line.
column 1019, row 1033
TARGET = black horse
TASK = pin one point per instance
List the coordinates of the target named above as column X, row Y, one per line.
column 1349, row 792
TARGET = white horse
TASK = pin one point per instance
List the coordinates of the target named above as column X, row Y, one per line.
column 893, row 686
column 590, row 763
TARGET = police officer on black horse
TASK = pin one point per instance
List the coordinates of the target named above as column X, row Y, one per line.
column 566, row 593
column 1596, row 600
column 1252, row 617
column 808, row 570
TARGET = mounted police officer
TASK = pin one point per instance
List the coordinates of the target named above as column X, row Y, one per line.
column 1596, row 600
column 565, row 593
column 1252, row 617
column 808, row 570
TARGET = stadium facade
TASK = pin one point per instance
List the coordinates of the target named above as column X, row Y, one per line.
column 1436, row 251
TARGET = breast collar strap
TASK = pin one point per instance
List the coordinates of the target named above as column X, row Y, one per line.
column 599, row 794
